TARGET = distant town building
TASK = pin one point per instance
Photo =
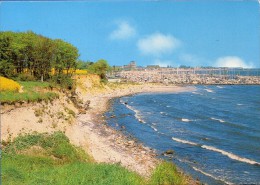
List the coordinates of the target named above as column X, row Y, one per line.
column 131, row 66
column 152, row 66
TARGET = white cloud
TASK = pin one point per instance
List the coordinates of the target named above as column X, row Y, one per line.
column 163, row 63
column 232, row 61
column 123, row 31
column 157, row 44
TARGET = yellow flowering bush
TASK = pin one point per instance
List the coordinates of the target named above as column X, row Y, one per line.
column 9, row 85
column 81, row 72
column 77, row 71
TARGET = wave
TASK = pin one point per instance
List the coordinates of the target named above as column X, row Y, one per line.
column 184, row 141
column 209, row 90
column 220, row 87
column 220, row 120
column 163, row 113
column 185, row 120
column 228, row 154
column 239, row 104
column 121, row 101
column 196, row 93
column 209, row 175
column 155, row 129
column 137, row 113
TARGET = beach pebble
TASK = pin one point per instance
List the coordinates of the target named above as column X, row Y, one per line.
column 131, row 142
column 143, row 152
column 168, row 152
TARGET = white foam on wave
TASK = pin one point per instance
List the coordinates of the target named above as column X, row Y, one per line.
column 121, row 101
column 163, row 113
column 209, row 90
column 137, row 114
column 185, row 120
column 153, row 123
column 220, row 87
column 209, row 175
column 230, row 155
column 220, row 120
column 196, row 93
column 239, row 104
column 168, row 106
column 184, row 141
column 155, row 129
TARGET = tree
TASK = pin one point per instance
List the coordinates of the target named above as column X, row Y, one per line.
column 101, row 67
column 35, row 55
column 65, row 57
column 6, row 64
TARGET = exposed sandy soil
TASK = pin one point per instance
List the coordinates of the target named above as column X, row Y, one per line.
column 89, row 130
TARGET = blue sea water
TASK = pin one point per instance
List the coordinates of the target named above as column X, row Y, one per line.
column 214, row 130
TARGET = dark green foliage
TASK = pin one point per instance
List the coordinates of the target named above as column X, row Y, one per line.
column 7, row 68
column 84, row 65
column 35, row 55
column 25, row 77
column 101, row 67
column 63, row 81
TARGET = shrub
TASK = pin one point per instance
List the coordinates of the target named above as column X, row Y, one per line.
column 26, row 77
column 56, row 144
column 64, row 81
column 81, row 72
column 9, row 85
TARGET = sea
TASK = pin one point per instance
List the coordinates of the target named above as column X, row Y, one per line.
column 213, row 130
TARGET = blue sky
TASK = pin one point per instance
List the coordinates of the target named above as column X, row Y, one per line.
column 197, row 33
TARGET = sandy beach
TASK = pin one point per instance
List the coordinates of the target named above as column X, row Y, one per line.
column 89, row 130
column 110, row 146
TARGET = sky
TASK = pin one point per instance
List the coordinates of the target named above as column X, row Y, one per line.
column 192, row 33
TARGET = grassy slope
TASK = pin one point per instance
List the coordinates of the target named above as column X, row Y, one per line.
column 33, row 91
column 51, row 159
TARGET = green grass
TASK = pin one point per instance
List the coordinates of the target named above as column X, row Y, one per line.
column 51, row 159
column 166, row 173
column 32, row 92
column 28, row 85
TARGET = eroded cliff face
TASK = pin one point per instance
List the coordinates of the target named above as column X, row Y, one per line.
column 40, row 117
column 50, row 116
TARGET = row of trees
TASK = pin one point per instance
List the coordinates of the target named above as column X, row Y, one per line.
column 35, row 55
column 29, row 56
column 101, row 67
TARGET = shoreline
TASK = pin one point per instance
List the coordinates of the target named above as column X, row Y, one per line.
column 88, row 130
column 108, row 145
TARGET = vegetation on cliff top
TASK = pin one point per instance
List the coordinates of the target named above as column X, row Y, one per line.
column 51, row 159
column 9, row 85
column 29, row 58
column 31, row 92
